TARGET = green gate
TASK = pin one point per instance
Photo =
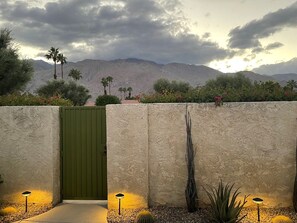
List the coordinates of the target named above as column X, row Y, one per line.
column 83, row 154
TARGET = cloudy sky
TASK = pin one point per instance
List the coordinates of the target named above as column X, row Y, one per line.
column 229, row 35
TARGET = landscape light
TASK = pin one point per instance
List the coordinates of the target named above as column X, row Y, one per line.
column 258, row 201
column 26, row 194
column 120, row 196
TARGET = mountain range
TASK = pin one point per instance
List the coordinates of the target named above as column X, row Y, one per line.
column 136, row 73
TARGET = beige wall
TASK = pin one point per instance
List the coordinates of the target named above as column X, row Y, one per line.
column 249, row 144
column 127, row 155
column 29, row 153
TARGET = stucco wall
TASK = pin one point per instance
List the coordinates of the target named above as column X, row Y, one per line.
column 29, row 153
column 127, row 155
column 249, row 144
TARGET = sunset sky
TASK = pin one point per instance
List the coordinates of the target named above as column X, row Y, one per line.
column 228, row 35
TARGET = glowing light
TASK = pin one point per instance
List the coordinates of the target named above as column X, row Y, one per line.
column 26, row 194
column 258, row 201
column 132, row 201
column 120, row 196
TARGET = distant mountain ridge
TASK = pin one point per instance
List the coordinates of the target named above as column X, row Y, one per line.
column 40, row 65
column 278, row 68
column 136, row 73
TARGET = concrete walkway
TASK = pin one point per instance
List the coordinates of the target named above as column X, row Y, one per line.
column 77, row 213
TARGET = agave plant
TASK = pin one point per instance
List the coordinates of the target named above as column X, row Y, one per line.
column 225, row 208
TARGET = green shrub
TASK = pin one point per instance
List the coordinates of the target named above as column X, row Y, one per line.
column 224, row 206
column 144, row 217
column 32, row 100
column 163, row 86
column 68, row 90
column 237, row 81
column 103, row 100
column 258, row 92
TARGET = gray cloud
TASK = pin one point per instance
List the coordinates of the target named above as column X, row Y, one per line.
column 249, row 35
column 258, row 50
column 273, row 46
column 266, row 49
column 206, row 35
column 124, row 28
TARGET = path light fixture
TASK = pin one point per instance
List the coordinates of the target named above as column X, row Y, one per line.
column 258, row 201
column 26, row 194
column 120, row 196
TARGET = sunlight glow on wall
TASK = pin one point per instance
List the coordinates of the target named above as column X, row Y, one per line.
column 37, row 196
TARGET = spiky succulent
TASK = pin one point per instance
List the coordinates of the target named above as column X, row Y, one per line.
column 225, row 208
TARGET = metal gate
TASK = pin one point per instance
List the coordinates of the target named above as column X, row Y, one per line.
column 83, row 154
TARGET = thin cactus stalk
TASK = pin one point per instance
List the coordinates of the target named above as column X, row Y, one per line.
column 295, row 186
column 191, row 190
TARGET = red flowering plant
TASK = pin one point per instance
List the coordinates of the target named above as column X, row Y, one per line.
column 218, row 100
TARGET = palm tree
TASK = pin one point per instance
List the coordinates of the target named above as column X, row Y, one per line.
column 75, row 74
column 62, row 60
column 129, row 89
column 109, row 79
column 124, row 90
column 121, row 90
column 53, row 54
column 104, row 82
column 291, row 84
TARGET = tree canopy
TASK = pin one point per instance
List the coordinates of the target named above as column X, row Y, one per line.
column 237, row 81
column 53, row 54
column 163, row 86
column 75, row 74
column 14, row 72
column 68, row 90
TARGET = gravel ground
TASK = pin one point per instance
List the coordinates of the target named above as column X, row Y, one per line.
column 180, row 215
column 33, row 209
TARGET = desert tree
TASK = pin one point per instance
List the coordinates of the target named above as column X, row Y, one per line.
column 121, row 91
column 14, row 72
column 53, row 54
column 129, row 89
column 109, row 80
column 104, row 82
column 124, row 91
column 75, row 74
column 5, row 39
column 77, row 94
column 62, row 60
column 291, row 84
